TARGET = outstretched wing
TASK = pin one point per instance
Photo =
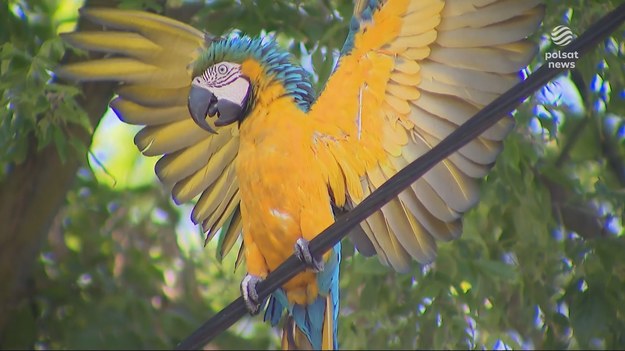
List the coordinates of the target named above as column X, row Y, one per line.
column 411, row 72
column 150, row 55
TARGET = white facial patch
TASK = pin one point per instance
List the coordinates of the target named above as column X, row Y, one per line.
column 221, row 74
column 235, row 91
column 225, row 81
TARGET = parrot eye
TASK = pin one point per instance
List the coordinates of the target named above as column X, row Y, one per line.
column 222, row 69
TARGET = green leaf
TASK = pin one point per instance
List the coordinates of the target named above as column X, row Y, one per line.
column 590, row 314
column 497, row 269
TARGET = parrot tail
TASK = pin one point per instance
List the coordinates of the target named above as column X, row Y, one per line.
column 313, row 326
column 294, row 338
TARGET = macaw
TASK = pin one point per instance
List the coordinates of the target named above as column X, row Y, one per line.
column 239, row 124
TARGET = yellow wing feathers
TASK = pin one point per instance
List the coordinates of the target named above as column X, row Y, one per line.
column 151, row 56
column 417, row 71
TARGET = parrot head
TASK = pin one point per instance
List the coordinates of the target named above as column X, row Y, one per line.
column 220, row 86
column 220, row 90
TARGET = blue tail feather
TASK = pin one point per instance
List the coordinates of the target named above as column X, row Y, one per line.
column 310, row 318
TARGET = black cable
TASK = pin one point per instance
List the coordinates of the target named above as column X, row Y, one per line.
column 475, row 126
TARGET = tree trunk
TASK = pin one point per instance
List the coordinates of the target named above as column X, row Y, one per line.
column 32, row 194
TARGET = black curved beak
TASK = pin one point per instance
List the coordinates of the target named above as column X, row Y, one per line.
column 202, row 103
column 229, row 112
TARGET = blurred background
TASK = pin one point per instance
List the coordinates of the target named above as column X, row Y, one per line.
column 94, row 253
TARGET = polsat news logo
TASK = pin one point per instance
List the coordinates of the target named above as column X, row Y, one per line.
column 562, row 36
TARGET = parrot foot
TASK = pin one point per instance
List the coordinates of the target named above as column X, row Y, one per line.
column 250, row 293
column 302, row 251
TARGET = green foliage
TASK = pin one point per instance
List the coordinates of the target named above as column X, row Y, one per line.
column 30, row 102
column 113, row 274
column 540, row 263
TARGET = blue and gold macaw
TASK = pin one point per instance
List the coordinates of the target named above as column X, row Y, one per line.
column 238, row 123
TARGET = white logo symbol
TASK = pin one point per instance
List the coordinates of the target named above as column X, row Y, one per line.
column 562, row 35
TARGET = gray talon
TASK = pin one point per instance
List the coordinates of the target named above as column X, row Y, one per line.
column 302, row 251
column 250, row 294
